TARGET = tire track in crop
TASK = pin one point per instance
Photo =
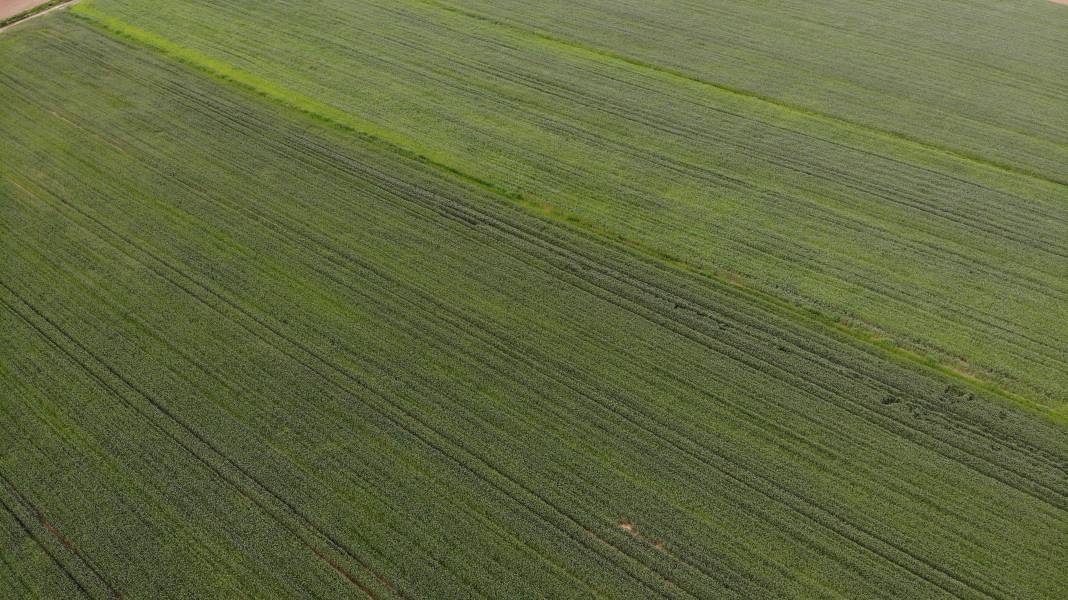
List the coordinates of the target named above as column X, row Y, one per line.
column 350, row 126
column 465, row 220
column 964, row 313
column 464, row 327
column 339, row 370
column 172, row 418
column 37, row 541
column 728, row 473
column 653, row 118
column 573, row 95
column 221, row 382
column 29, row 192
column 962, row 317
column 126, row 486
column 413, row 47
column 758, row 369
column 121, row 310
column 66, row 543
column 1053, row 356
column 755, row 96
column 501, row 347
column 111, row 143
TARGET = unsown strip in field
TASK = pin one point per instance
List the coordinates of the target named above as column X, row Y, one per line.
column 904, row 176
column 245, row 353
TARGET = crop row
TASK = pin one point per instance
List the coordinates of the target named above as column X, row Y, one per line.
column 931, row 72
column 402, row 385
column 940, row 254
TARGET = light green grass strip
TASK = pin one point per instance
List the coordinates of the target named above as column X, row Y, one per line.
column 259, row 85
column 320, row 111
column 412, row 148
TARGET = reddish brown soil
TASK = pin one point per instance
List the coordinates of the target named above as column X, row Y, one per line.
column 18, row 6
column 10, row 8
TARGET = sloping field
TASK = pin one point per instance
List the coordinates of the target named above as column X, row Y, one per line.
column 878, row 210
column 250, row 354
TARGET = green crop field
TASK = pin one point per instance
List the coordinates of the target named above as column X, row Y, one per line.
column 902, row 235
column 484, row 298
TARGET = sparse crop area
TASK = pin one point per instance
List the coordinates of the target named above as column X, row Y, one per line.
column 498, row 299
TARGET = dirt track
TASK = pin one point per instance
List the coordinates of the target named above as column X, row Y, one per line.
column 29, row 4
column 10, row 8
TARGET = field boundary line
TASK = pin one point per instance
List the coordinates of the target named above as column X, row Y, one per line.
column 868, row 337
column 41, row 9
column 744, row 93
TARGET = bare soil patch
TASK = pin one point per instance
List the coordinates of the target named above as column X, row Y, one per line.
column 43, row 7
column 10, row 8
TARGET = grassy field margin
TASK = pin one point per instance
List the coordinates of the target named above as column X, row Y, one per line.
column 871, row 339
column 33, row 12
